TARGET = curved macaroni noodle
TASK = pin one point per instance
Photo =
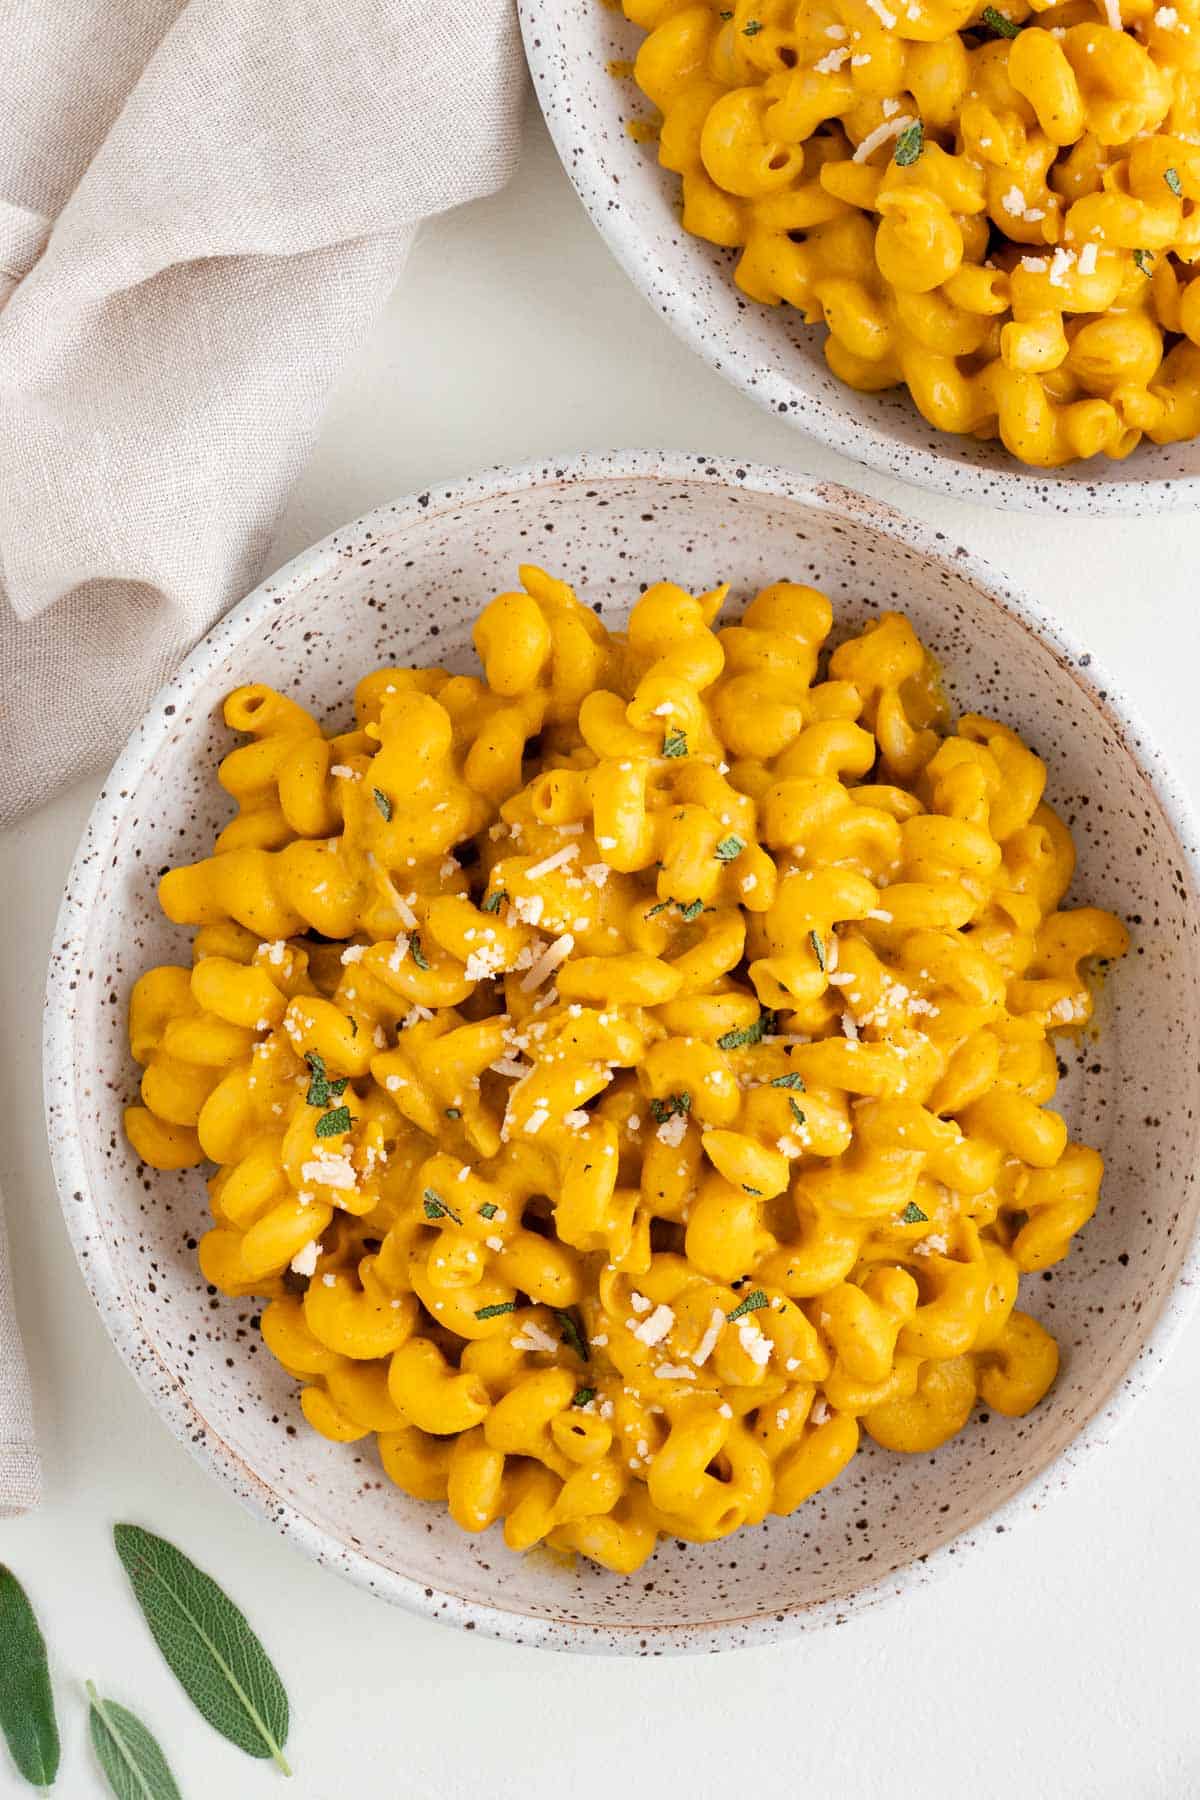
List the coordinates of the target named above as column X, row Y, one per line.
column 993, row 206
column 628, row 1075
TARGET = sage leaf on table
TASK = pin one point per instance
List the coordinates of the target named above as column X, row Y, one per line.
column 220, row 1663
column 130, row 1757
column 26, row 1701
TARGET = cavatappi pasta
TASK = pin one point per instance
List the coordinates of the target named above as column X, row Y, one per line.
column 627, row 1075
column 994, row 206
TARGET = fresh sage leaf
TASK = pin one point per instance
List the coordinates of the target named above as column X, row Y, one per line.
column 26, row 1701
column 1000, row 23
column 909, row 145
column 662, row 1110
column 318, row 1086
column 572, row 1337
column 436, row 1207
column 744, row 1035
column 335, row 1123
column 752, row 1303
column 134, row 1766
column 208, row 1645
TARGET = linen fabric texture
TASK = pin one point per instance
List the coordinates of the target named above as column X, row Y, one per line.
column 203, row 208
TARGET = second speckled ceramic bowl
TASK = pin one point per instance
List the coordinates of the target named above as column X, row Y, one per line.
column 404, row 584
column 577, row 54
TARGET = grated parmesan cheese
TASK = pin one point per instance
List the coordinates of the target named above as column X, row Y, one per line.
column 656, row 1327
column 533, row 1337
column 672, row 1130
column 1062, row 263
column 305, row 1261
column 481, row 964
column 547, row 962
column 330, row 1171
column 757, row 1347
column 708, row 1342
column 558, row 860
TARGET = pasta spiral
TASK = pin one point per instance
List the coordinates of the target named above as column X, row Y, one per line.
column 627, row 1076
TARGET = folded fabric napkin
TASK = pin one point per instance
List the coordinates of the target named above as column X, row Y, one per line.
column 20, row 1470
column 203, row 208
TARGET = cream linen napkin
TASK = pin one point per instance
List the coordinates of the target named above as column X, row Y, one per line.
column 20, row 1470
column 203, row 206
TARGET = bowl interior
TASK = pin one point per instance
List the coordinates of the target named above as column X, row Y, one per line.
column 403, row 586
column 769, row 352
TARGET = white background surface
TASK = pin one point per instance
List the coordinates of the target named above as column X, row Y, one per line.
column 1061, row 1662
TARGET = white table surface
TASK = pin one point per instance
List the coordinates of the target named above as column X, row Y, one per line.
column 1060, row 1662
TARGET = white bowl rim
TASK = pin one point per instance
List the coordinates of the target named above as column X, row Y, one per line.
column 838, row 428
column 136, row 1345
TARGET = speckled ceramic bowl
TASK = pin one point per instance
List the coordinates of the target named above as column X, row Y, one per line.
column 404, row 584
column 766, row 351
